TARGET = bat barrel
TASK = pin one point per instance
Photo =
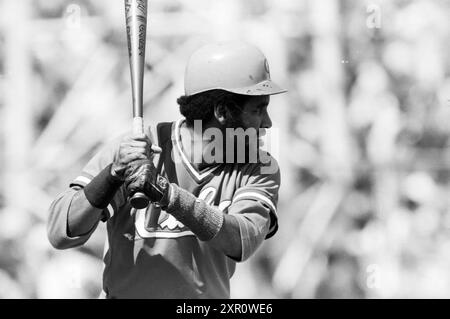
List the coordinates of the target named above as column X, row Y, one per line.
column 136, row 22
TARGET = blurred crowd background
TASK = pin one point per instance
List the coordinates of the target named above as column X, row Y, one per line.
column 362, row 137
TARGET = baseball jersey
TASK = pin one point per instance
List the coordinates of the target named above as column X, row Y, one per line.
column 162, row 258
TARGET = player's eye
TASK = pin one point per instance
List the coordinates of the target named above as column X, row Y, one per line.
column 260, row 110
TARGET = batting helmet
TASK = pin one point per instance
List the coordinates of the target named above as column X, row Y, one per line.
column 236, row 67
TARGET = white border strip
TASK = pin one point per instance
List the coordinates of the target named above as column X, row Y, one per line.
column 160, row 234
column 258, row 196
column 110, row 210
column 83, row 179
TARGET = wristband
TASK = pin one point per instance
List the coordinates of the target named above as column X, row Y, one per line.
column 115, row 175
column 101, row 190
column 202, row 219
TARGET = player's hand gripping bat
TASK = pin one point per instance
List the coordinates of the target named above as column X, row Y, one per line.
column 136, row 23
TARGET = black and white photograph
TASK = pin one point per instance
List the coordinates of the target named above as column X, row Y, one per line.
column 225, row 150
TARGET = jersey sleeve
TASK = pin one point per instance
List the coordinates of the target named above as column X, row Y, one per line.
column 104, row 157
column 261, row 185
column 57, row 223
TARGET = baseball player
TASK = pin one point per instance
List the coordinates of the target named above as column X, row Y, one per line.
column 204, row 216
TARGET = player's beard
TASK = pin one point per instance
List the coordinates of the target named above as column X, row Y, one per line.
column 240, row 155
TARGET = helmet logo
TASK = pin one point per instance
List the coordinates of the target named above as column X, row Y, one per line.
column 266, row 65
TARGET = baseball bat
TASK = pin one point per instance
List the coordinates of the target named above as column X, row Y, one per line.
column 136, row 25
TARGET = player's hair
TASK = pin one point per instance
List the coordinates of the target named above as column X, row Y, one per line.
column 201, row 106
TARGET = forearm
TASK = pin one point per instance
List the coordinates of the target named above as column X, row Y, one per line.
column 82, row 217
column 228, row 239
column 89, row 203
column 243, row 231
column 203, row 220
column 75, row 214
column 58, row 222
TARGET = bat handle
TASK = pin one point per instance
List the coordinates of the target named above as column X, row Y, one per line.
column 139, row 200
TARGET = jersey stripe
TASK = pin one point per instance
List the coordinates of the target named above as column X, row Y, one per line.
column 258, row 196
column 146, row 234
column 273, row 214
column 83, row 180
column 254, row 195
column 110, row 210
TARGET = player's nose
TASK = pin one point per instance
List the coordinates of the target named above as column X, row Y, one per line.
column 267, row 121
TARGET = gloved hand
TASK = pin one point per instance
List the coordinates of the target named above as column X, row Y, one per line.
column 132, row 148
column 141, row 176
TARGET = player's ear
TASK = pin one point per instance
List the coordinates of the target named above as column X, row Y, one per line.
column 220, row 113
